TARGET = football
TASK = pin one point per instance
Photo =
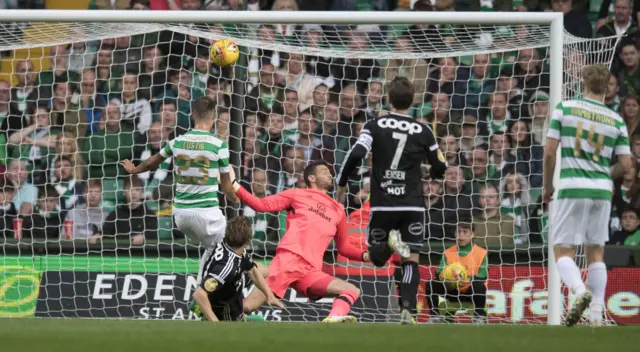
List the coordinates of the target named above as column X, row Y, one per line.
column 224, row 53
column 453, row 274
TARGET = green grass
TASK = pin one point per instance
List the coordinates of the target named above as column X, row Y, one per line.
column 68, row 335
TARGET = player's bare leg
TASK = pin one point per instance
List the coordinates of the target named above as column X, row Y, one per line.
column 597, row 280
column 346, row 294
column 409, row 288
column 571, row 277
column 254, row 301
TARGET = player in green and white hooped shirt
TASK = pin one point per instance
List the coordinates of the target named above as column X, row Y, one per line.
column 199, row 159
column 588, row 134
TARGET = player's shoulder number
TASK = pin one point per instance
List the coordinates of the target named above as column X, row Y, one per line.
column 218, row 254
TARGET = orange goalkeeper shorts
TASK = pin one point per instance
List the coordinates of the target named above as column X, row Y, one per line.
column 289, row 270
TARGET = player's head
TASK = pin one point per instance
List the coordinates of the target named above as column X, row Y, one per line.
column 595, row 79
column 239, row 232
column 464, row 232
column 401, row 93
column 203, row 110
column 319, row 175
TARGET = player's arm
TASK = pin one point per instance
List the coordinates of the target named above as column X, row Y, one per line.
column 227, row 175
column 274, row 203
column 434, row 156
column 151, row 163
column 202, row 300
column 626, row 165
column 550, row 150
column 345, row 248
column 355, row 156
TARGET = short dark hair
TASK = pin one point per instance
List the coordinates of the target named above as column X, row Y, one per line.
column 401, row 93
column 239, row 232
column 64, row 158
column 6, row 186
column 310, row 170
column 94, row 182
column 132, row 181
column 167, row 101
column 466, row 223
column 47, row 192
column 632, row 210
column 203, row 108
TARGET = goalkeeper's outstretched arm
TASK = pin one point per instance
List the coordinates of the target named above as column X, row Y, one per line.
column 202, row 300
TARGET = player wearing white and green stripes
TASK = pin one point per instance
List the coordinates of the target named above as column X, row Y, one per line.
column 199, row 159
column 588, row 134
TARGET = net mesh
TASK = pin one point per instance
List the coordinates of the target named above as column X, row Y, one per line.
column 98, row 93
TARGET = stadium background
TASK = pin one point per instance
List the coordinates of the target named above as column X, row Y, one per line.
column 41, row 262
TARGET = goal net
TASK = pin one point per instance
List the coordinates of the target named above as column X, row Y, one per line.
column 90, row 242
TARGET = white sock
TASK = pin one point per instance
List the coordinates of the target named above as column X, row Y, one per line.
column 570, row 275
column 597, row 280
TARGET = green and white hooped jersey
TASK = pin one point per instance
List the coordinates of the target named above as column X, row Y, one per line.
column 198, row 158
column 589, row 133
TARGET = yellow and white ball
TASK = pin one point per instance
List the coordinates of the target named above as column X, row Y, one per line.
column 454, row 274
column 224, row 52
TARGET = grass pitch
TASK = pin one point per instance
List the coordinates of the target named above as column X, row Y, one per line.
column 69, row 335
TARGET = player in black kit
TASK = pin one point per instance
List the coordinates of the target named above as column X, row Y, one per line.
column 399, row 146
column 219, row 295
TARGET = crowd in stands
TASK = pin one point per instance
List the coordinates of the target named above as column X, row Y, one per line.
column 67, row 127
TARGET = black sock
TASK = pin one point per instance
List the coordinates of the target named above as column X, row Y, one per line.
column 380, row 253
column 409, row 286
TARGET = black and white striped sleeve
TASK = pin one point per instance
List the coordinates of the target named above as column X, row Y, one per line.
column 357, row 153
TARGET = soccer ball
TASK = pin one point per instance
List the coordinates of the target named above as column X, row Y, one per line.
column 453, row 274
column 224, row 52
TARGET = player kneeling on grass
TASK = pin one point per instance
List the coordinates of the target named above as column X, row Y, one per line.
column 474, row 259
column 219, row 296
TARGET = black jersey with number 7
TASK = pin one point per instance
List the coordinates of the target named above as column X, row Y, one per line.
column 399, row 146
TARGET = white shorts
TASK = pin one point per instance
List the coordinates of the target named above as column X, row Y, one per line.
column 573, row 222
column 205, row 225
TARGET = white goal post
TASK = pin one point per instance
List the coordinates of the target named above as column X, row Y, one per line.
column 550, row 33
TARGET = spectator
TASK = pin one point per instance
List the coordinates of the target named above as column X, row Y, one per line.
column 286, row 175
column 575, row 22
column 500, row 158
column 476, row 90
column 25, row 91
column 417, row 70
column 153, row 72
column 35, row 143
column 11, row 119
column 492, row 228
column 290, row 104
column 135, row 109
column 508, row 83
column 271, row 142
column 64, row 114
column 91, row 101
column 539, row 111
column 442, row 111
column 217, row 89
column 58, row 72
column 450, row 147
column 479, row 172
column 457, row 201
column 443, row 78
column 190, row 5
column 344, row 144
column 528, row 70
column 161, row 175
column 178, row 88
column 432, row 192
column 629, row 75
column 474, row 289
column 621, row 24
column 222, row 123
column 168, row 111
column 67, row 186
column 629, row 235
column 46, row 220
column 328, row 135
column 358, row 70
column 611, row 98
column 202, row 69
column 294, row 76
column 105, row 71
column 88, row 217
column 374, row 104
column 104, row 150
column 264, row 94
column 325, row 68
column 498, row 115
column 631, row 114
column 527, row 151
column 470, row 138
column 133, row 220
column 67, row 146
column 320, row 100
column 109, row 4
column 127, row 55
column 26, row 195
column 306, row 139
column 514, row 202
column 267, row 227
column 81, row 55
column 350, row 103
column 285, row 31
column 259, row 57
column 140, row 5
column 8, row 210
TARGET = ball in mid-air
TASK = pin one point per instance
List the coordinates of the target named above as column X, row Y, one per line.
column 453, row 274
column 224, row 52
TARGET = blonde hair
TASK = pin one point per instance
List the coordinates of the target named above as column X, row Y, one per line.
column 596, row 78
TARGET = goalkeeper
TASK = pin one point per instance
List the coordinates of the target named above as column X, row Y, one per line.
column 474, row 290
column 219, row 296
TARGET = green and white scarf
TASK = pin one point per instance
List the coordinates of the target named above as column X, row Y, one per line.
column 67, row 197
column 512, row 206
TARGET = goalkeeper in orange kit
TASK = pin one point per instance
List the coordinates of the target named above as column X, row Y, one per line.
column 474, row 259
